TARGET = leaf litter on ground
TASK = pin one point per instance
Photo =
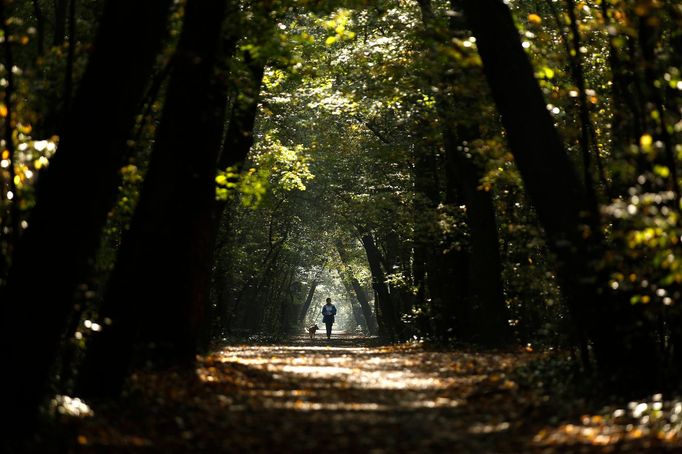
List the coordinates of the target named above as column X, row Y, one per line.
column 351, row 394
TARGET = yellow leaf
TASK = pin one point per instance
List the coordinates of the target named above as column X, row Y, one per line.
column 663, row 171
column 646, row 140
column 330, row 40
column 534, row 19
column 3, row 110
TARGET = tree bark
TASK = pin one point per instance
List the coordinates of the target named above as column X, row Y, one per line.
column 157, row 293
column 61, row 238
column 239, row 135
column 70, row 57
column 360, row 293
column 60, row 17
column 426, row 200
column 385, row 304
column 308, row 301
column 40, row 27
column 358, row 316
column 485, row 292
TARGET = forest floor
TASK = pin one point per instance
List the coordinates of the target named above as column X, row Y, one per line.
column 352, row 394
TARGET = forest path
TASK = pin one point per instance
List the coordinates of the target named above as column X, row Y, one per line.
column 349, row 394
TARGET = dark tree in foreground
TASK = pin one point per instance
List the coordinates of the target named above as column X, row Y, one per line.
column 157, row 294
column 73, row 197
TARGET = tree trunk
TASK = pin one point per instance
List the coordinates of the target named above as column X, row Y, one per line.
column 239, row 135
column 426, row 200
column 61, row 238
column 588, row 147
column 60, row 17
column 485, row 293
column 352, row 301
column 158, row 289
column 387, row 312
column 40, row 28
column 308, row 301
column 485, row 296
column 360, row 293
column 285, row 304
column 70, row 57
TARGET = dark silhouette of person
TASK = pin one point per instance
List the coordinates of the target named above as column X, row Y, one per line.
column 328, row 313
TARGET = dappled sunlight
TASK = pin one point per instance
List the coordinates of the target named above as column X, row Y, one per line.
column 656, row 422
column 71, row 406
column 339, row 377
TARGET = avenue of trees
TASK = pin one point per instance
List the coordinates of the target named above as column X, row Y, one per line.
column 177, row 174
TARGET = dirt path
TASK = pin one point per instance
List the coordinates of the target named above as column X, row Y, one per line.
column 348, row 394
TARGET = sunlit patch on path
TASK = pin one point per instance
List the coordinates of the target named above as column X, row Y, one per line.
column 349, row 394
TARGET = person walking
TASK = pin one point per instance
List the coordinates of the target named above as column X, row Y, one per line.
column 328, row 313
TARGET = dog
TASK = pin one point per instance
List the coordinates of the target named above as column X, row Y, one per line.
column 311, row 331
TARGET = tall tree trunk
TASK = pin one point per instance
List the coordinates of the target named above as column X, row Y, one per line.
column 385, row 303
column 620, row 346
column 61, row 238
column 426, row 200
column 360, row 293
column 60, row 17
column 587, row 138
column 367, row 311
column 256, row 303
column 648, row 35
column 486, row 297
column 285, row 304
column 158, row 289
column 70, row 57
column 239, row 135
column 485, row 292
column 308, row 301
column 40, row 27
column 627, row 125
column 397, row 261
column 267, row 264
column 352, row 301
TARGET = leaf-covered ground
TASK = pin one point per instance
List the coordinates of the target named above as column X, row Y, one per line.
column 350, row 394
